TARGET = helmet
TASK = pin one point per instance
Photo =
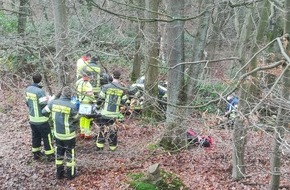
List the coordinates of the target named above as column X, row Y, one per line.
column 230, row 97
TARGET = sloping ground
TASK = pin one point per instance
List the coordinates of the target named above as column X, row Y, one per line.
column 199, row 168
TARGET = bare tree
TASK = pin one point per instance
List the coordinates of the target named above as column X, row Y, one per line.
column 152, row 45
column 60, row 23
column 174, row 136
column 283, row 114
column 136, row 70
column 195, row 70
column 249, row 90
column 22, row 17
column 239, row 133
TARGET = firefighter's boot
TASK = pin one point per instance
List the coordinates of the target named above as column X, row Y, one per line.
column 59, row 172
column 37, row 155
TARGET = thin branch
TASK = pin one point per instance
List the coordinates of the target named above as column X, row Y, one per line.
column 202, row 61
column 250, row 60
column 233, row 5
column 13, row 11
column 137, row 19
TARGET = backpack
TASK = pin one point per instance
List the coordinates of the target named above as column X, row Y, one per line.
column 200, row 140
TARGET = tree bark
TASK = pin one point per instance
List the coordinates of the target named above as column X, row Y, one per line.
column 256, row 46
column 239, row 133
column 151, row 74
column 136, row 70
column 175, row 134
column 60, row 23
column 22, row 17
column 283, row 115
column 195, row 70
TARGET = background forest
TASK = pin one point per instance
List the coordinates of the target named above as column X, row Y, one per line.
column 204, row 50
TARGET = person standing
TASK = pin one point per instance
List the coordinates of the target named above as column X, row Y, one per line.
column 231, row 107
column 95, row 71
column 98, row 78
column 113, row 95
column 36, row 100
column 81, row 63
column 64, row 116
column 85, row 96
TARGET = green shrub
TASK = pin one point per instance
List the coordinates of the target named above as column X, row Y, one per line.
column 206, row 93
column 8, row 24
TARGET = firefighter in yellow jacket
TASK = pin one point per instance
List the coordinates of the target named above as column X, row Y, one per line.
column 36, row 100
column 81, row 63
column 113, row 95
column 85, row 96
column 64, row 116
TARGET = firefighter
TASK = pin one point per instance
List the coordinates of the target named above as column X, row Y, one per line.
column 113, row 95
column 231, row 109
column 232, row 104
column 64, row 116
column 99, row 77
column 81, row 63
column 85, row 96
column 36, row 100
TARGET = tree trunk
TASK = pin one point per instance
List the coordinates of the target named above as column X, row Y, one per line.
column 276, row 152
column 239, row 133
column 43, row 5
column 259, row 40
column 282, row 123
column 175, row 134
column 151, row 75
column 221, row 17
column 60, row 23
column 22, row 17
column 195, row 70
column 139, row 37
column 283, row 115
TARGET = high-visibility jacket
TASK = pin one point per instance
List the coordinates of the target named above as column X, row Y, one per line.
column 64, row 114
column 36, row 100
column 113, row 93
column 84, row 91
column 81, row 63
column 233, row 113
column 95, row 70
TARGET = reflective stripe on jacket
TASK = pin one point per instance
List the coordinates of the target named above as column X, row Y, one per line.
column 64, row 115
column 96, row 74
column 83, row 88
column 36, row 100
column 113, row 95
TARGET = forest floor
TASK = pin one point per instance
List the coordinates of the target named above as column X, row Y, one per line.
column 198, row 168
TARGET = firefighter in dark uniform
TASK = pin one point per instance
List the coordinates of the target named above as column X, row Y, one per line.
column 64, row 117
column 113, row 95
column 36, row 100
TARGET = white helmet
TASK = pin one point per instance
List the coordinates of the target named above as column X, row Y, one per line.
column 230, row 97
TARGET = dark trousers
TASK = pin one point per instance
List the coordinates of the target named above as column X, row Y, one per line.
column 41, row 132
column 65, row 149
column 112, row 132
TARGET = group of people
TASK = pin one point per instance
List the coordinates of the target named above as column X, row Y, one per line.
column 95, row 96
column 94, row 90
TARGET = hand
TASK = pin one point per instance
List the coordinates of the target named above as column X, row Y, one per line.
column 51, row 98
